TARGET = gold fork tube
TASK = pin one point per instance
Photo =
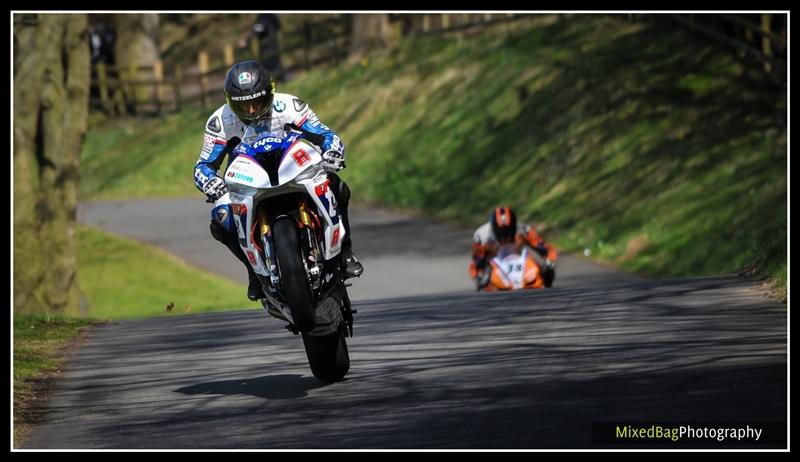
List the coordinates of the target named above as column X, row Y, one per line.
column 305, row 217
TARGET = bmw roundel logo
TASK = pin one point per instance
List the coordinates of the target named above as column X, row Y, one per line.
column 279, row 106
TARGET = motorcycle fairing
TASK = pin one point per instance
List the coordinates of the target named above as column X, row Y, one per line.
column 298, row 161
column 515, row 271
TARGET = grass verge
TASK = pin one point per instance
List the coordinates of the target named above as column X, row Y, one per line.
column 123, row 279
column 42, row 345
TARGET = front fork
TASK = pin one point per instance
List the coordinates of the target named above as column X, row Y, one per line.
column 308, row 237
column 262, row 225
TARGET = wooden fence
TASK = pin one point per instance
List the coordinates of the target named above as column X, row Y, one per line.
column 156, row 89
column 153, row 90
column 435, row 24
column 759, row 38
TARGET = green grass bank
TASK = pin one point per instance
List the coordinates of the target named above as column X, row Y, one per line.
column 124, row 279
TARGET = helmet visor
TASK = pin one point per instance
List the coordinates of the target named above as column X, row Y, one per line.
column 251, row 107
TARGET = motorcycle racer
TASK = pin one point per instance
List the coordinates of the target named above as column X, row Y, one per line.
column 502, row 228
column 253, row 108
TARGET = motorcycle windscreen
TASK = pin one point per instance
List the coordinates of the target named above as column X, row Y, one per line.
column 513, row 267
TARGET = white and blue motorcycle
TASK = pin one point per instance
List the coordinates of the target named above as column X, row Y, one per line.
column 288, row 226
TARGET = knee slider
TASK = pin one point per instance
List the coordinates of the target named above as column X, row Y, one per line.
column 219, row 232
column 221, row 223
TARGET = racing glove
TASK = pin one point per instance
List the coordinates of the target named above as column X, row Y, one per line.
column 333, row 161
column 483, row 279
column 215, row 188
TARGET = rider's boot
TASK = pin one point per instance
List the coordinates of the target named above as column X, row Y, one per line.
column 273, row 311
column 254, row 291
column 548, row 274
column 352, row 267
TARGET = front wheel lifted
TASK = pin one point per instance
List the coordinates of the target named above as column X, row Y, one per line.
column 293, row 274
column 328, row 355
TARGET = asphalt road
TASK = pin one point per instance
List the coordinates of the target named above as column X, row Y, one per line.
column 445, row 368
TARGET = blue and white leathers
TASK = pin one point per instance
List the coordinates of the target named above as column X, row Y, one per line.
column 224, row 131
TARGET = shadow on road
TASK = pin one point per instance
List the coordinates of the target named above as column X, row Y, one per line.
column 281, row 386
column 377, row 234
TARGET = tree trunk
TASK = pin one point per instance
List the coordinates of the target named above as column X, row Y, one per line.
column 51, row 102
column 137, row 45
column 28, row 77
column 370, row 31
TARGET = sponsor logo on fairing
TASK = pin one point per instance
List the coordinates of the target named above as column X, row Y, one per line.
column 328, row 200
column 322, row 188
column 266, row 140
column 239, row 176
column 251, row 257
column 238, row 167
